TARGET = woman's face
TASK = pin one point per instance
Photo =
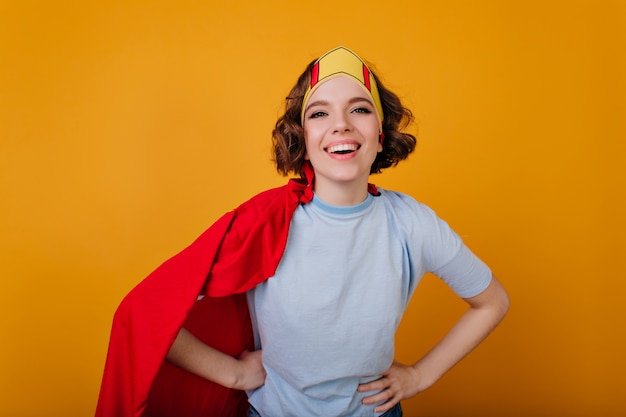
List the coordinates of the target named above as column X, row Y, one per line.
column 341, row 133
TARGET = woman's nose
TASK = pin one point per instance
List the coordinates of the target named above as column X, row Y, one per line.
column 342, row 124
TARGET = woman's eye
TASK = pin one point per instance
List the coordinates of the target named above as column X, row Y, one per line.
column 362, row 110
column 316, row 114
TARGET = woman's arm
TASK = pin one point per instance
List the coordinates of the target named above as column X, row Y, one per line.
column 400, row 382
column 189, row 353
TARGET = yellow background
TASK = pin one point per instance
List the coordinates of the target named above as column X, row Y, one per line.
column 126, row 128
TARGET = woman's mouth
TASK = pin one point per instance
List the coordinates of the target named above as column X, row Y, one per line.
column 343, row 148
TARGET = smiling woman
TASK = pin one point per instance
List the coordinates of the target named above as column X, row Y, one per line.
column 342, row 138
column 126, row 127
column 344, row 258
column 393, row 117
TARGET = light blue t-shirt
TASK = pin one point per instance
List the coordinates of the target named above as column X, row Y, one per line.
column 326, row 320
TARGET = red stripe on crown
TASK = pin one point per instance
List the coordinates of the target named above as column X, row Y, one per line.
column 315, row 74
column 366, row 78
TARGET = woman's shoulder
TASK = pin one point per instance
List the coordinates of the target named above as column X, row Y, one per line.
column 414, row 217
column 403, row 201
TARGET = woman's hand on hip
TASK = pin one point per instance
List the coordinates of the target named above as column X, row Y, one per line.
column 398, row 383
column 251, row 373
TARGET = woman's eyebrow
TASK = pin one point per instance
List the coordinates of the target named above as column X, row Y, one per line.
column 359, row 98
column 316, row 103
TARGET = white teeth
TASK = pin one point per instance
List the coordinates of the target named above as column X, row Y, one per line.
column 343, row 147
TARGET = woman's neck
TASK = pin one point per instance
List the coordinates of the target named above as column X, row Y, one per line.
column 341, row 194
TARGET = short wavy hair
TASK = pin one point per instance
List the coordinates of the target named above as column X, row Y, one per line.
column 288, row 136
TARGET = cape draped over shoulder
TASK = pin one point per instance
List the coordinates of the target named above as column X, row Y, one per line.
column 240, row 250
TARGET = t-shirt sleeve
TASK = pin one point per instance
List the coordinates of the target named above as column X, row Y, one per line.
column 447, row 257
column 465, row 273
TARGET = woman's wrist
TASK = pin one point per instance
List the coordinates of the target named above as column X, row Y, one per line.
column 425, row 379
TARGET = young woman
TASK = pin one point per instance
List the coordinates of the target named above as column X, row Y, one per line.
column 344, row 260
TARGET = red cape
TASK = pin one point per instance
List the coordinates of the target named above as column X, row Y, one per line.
column 239, row 251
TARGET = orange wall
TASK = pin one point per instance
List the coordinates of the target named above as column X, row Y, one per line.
column 125, row 130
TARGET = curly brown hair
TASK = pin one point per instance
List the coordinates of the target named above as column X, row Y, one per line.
column 288, row 135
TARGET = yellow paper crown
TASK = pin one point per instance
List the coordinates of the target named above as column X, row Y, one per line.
column 342, row 61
